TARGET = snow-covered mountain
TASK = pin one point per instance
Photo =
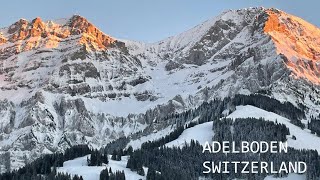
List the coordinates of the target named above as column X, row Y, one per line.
column 64, row 82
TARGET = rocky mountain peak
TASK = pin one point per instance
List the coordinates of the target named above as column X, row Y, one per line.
column 19, row 25
column 24, row 29
column 38, row 28
column 298, row 41
column 48, row 34
column 302, row 35
column 80, row 23
column 90, row 33
column 2, row 39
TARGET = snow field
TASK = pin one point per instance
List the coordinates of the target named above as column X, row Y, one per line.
column 79, row 166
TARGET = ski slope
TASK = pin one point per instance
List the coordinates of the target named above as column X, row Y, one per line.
column 305, row 140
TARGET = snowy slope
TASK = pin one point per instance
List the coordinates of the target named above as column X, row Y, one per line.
column 201, row 133
column 136, row 144
column 79, row 166
column 305, row 140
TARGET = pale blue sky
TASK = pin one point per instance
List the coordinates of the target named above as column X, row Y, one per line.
column 146, row 20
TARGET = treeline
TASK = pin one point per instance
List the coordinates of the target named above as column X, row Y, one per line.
column 115, row 145
column 205, row 113
column 285, row 109
column 173, row 135
column 314, row 125
column 163, row 140
column 53, row 175
column 171, row 163
column 44, row 167
column 209, row 111
column 109, row 175
column 249, row 129
column 97, row 158
column 135, row 164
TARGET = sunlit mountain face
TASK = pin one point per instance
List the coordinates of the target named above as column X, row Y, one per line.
column 298, row 40
column 37, row 34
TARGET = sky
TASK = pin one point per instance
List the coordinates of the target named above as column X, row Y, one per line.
column 146, row 20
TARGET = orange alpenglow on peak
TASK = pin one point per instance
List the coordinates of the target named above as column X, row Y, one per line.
column 80, row 25
column 298, row 40
column 2, row 39
column 39, row 34
column 38, row 28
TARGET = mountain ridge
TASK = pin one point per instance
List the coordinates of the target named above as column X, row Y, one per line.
column 49, row 34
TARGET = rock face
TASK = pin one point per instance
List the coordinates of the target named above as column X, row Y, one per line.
column 39, row 34
column 65, row 82
column 298, row 41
